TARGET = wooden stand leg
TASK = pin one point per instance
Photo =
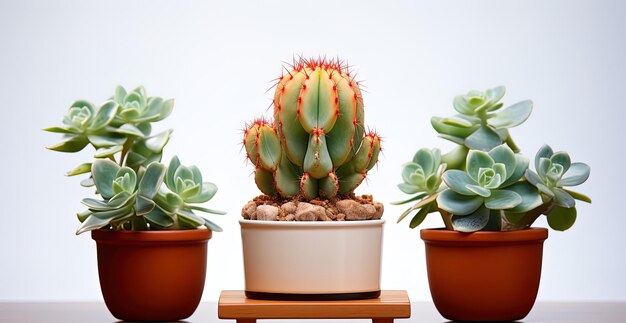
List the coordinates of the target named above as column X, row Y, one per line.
column 246, row 321
column 382, row 320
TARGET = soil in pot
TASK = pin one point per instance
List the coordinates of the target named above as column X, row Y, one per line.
column 152, row 275
column 312, row 250
column 342, row 208
column 484, row 276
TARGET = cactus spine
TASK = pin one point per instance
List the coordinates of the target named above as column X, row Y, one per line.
column 317, row 144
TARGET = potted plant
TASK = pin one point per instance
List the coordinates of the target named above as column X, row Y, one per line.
column 486, row 264
column 308, row 236
column 151, row 249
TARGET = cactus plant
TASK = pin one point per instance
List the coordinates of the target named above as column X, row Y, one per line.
column 316, row 145
column 138, row 192
column 487, row 184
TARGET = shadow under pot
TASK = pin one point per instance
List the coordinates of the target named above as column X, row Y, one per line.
column 317, row 260
column 152, row 275
column 484, row 276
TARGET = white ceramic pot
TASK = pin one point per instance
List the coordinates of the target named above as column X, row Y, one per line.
column 312, row 260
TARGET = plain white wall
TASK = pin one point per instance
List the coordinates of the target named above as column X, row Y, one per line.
column 216, row 59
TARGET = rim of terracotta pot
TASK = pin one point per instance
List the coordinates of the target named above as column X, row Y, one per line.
column 309, row 224
column 442, row 234
column 130, row 236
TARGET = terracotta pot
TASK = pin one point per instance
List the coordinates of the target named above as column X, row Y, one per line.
column 152, row 275
column 484, row 276
column 316, row 260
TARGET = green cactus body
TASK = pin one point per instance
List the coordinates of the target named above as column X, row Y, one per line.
column 316, row 144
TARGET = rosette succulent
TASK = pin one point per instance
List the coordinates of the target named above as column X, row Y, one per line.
column 122, row 124
column 481, row 122
column 138, row 192
column 487, row 184
column 555, row 171
column 422, row 176
column 316, row 145
column 490, row 183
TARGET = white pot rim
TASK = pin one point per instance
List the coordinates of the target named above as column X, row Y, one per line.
column 309, row 224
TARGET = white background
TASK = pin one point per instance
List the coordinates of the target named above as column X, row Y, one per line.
column 216, row 59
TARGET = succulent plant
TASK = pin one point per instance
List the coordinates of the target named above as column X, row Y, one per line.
column 422, row 176
column 316, row 145
column 488, row 186
column 87, row 123
column 121, row 125
column 131, row 184
column 481, row 123
column 554, row 172
column 490, row 183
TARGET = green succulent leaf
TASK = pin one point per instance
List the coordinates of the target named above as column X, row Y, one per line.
column 129, row 129
column 579, row 196
column 171, row 170
column 82, row 216
column 143, row 205
column 562, row 198
column 534, row 179
column 104, row 116
column 105, row 152
column 170, row 201
column 459, row 181
column 152, row 180
column 504, row 155
column 87, row 182
column 422, row 203
column 67, row 129
column 577, row 174
column 80, row 169
column 71, row 145
column 129, row 179
column 544, row 152
column 502, row 200
column 458, row 122
column 206, row 193
column 115, row 213
column 189, row 219
column 483, row 139
column 414, row 198
column 119, row 94
column 203, row 209
column 562, row 218
column 479, row 190
column 496, row 94
column 521, row 165
column 92, row 223
column 157, row 142
column 105, row 140
column 212, row 226
column 458, row 204
column 96, row 205
column 445, row 129
column 476, row 160
column 120, row 199
column 159, row 218
column 409, row 188
column 531, row 199
column 166, row 109
column 512, row 116
column 103, row 172
column 473, row 222
column 562, row 158
column 454, row 139
column 419, row 217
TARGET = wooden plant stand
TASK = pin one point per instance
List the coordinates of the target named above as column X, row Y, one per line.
column 392, row 304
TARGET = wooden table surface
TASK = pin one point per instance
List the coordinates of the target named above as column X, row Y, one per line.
column 233, row 304
column 423, row 312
